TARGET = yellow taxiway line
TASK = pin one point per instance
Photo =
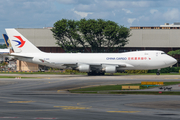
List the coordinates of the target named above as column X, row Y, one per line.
column 72, row 107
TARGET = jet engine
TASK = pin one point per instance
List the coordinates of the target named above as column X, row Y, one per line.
column 84, row 68
column 110, row 69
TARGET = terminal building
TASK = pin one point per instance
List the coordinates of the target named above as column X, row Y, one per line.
column 163, row 37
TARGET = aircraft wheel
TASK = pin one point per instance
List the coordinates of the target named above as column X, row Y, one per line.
column 102, row 73
column 89, row 73
column 158, row 73
column 95, row 73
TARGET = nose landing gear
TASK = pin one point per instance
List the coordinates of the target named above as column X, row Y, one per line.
column 158, row 72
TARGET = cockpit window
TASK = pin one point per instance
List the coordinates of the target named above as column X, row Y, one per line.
column 163, row 53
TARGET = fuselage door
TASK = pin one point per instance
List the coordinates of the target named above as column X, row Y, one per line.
column 156, row 54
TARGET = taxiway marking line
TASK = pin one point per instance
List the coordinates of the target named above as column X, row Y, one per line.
column 46, row 118
column 21, row 101
column 123, row 111
column 78, row 88
column 43, row 110
column 9, row 117
column 72, row 107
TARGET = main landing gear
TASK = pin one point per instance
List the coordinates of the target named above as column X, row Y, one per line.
column 158, row 72
column 95, row 73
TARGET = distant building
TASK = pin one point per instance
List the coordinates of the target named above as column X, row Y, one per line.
column 2, row 55
column 163, row 37
column 4, row 51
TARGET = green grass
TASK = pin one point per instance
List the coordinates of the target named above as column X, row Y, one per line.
column 7, row 77
column 56, row 73
column 142, row 74
column 132, row 92
column 147, row 93
column 14, row 77
column 105, row 88
column 171, row 83
column 115, row 87
column 118, row 87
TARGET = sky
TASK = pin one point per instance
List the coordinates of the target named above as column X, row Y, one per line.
column 44, row 13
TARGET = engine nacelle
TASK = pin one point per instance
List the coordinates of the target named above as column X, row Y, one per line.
column 110, row 69
column 84, row 68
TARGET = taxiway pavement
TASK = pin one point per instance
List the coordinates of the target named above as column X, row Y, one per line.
column 46, row 98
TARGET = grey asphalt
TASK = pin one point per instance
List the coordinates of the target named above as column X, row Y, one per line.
column 47, row 98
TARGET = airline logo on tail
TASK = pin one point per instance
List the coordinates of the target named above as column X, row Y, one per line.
column 20, row 43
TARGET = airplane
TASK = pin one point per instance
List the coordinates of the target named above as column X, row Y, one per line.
column 92, row 63
column 7, row 41
column 4, row 51
column 9, row 46
column 4, row 54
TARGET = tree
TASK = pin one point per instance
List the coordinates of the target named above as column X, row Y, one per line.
column 65, row 32
column 97, row 35
column 173, row 53
column 2, row 46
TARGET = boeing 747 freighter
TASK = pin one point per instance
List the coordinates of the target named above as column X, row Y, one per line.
column 92, row 63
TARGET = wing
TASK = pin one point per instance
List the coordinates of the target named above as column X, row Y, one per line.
column 74, row 65
column 97, row 66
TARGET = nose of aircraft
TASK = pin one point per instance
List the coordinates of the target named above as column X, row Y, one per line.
column 170, row 61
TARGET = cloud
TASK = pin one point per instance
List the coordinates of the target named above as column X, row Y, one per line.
column 126, row 10
column 87, row 8
column 113, row 13
column 141, row 3
column 126, row 4
column 101, row 15
column 112, row 5
column 40, row 13
column 152, row 11
column 67, row 1
column 131, row 20
column 76, row 1
column 83, row 14
column 172, row 14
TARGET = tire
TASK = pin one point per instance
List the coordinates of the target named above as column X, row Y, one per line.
column 102, row 73
column 89, row 73
column 158, row 73
column 95, row 73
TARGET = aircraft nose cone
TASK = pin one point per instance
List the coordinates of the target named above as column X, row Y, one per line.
column 174, row 61
column 170, row 61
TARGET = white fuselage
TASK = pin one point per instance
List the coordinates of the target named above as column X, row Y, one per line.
column 140, row 60
column 88, row 62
